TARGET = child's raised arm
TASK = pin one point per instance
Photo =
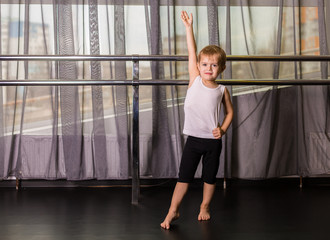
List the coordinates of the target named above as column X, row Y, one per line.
column 191, row 44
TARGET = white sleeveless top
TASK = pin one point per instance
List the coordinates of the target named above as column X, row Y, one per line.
column 202, row 109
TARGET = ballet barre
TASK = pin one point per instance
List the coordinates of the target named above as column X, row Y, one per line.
column 135, row 82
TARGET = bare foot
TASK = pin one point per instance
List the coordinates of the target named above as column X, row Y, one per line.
column 171, row 216
column 204, row 214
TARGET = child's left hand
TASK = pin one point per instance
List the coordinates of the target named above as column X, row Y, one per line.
column 218, row 133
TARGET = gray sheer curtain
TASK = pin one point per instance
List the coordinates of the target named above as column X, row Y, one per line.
column 313, row 114
column 79, row 133
column 284, row 131
column 264, row 128
column 163, row 157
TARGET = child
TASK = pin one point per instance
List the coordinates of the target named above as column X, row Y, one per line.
column 202, row 111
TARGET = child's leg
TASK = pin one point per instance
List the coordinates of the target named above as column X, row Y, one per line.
column 173, row 213
column 208, row 192
column 209, row 172
column 189, row 163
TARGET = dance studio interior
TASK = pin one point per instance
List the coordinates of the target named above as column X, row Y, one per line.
column 92, row 119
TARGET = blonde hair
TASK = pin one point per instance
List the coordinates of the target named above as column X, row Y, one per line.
column 214, row 50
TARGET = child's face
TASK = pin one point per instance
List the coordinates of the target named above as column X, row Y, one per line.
column 208, row 67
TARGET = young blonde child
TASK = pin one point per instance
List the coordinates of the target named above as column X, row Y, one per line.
column 202, row 124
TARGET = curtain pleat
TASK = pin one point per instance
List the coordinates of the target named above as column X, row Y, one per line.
column 53, row 167
column 212, row 19
column 19, row 163
column 12, row 154
column 69, row 98
column 163, row 158
column 175, row 119
column 99, row 136
column 250, row 47
column 121, row 95
column 278, row 45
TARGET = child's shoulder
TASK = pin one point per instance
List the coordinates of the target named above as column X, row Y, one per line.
column 222, row 88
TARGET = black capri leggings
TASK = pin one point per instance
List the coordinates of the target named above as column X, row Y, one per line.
column 194, row 149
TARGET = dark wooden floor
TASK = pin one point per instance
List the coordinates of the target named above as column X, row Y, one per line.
column 240, row 212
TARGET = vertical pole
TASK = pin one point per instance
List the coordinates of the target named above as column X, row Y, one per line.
column 136, row 155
